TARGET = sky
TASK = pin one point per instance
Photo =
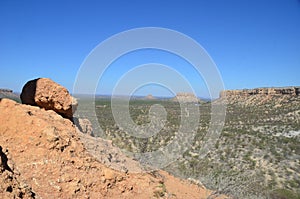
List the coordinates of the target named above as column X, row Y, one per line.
column 253, row 43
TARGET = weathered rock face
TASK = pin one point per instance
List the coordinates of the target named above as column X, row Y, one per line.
column 52, row 162
column 47, row 94
column 259, row 96
column 186, row 98
column 262, row 91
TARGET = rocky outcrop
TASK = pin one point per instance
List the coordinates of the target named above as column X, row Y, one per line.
column 186, row 98
column 47, row 94
column 262, row 91
column 52, row 162
column 259, row 96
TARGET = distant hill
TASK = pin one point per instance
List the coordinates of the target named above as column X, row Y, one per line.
column 150, row 97
column 7, row 93
column 186, row 98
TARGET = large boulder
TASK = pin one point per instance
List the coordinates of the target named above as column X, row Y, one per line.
column 47, row 94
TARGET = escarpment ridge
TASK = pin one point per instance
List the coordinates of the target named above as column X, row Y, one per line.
column 273, row 91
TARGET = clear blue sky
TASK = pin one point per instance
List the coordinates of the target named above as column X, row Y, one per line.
column 254, row 43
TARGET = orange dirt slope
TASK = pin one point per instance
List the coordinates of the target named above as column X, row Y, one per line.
column 43, row 153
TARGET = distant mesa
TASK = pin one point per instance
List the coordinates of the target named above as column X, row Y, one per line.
column 150, row 97
column 186, row 97
column 4, row 90
column 47, row 94
column 8, row 93
column 294, row 91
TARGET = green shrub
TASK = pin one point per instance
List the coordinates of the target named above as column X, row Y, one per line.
column 284, row 194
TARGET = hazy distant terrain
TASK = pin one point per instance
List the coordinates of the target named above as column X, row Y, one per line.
column 7, row 93
column 257, row 153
